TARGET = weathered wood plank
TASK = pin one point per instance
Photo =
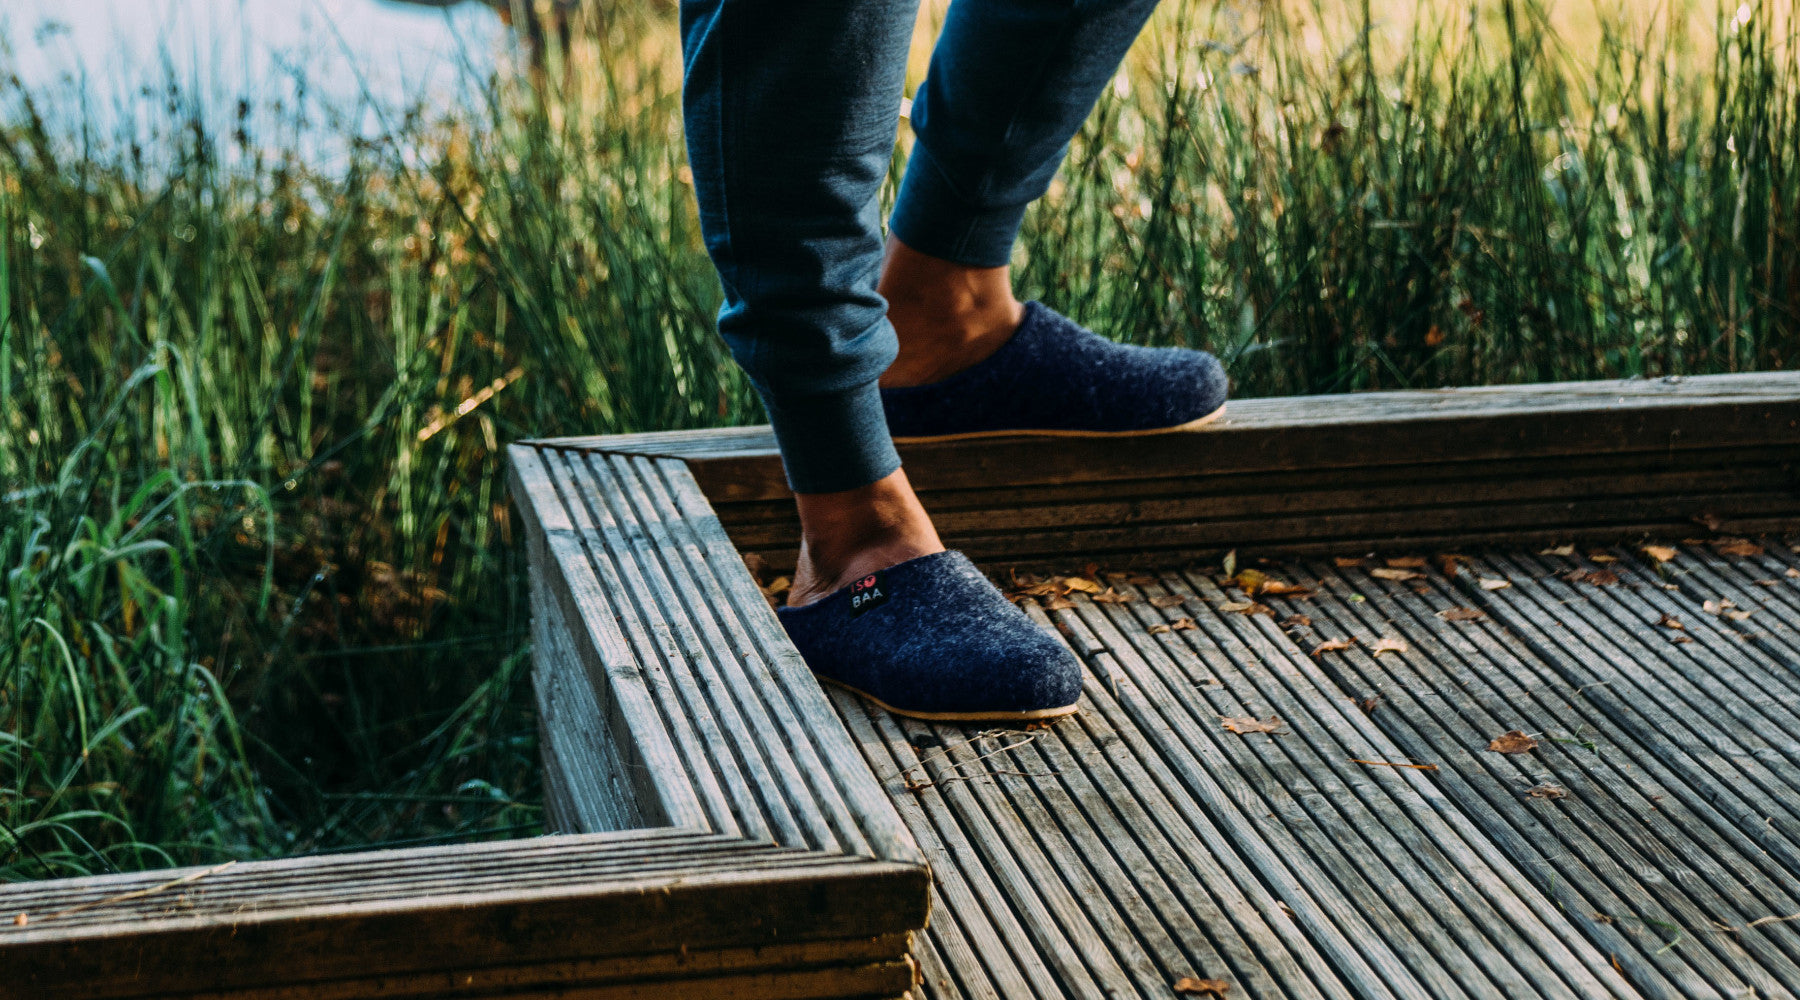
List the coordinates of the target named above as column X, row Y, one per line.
column 804, row 899
column 1326, row 432
column 1595, row 852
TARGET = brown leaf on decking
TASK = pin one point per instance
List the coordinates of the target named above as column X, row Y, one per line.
column 776, row 588
column 1346, row 562
column 1661, row 553
column 1681, row 637
column 1247, row 608
column 1369, row 704
column 1183, row 625
column 1157, row 629
column 1493, row 583
column 1512, row 741
column 1168, row 601
column 1792, row 572
column 1113, row 597
column 1670, row 621
column 1249, row 725
column 1082, row 584
column 1737, row 547
column 1597, row 577
column 1276, row 588
column 1333, row 645
column 1393, row 763
column 1462, row 614
column 1297, row 621
column 1250, row 581
column 1190, row 985
column 1407, row 562
column 1389, row 644
column 1058, row 603
column 1388, row 573
column 757, row 565
column 1560, row 550
column 1546, row 791
column 1602, row 557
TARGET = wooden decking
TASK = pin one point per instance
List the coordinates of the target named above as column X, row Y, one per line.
column 730, row 829
column 1373, row 845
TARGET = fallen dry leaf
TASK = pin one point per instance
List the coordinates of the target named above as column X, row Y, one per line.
column 1082, row 584
column 1462, row 614
column 1670, row 621
column 1058, row 602
column 1247, row 608
column 1333, row 645
column 1091, row 571
column 1113, row 597
column 1182, row 625
column 1190, row 985
column 1512, row 741
column 1276, row 588
column 1596, row 577
column 776, row 588
column 1346, row 562
column 1229, row 563
column 1369, row 704
column 1168, row 601
column 1737, row 547
column 1716, row 607
column 1602, row 557
column 1660, row 553
column 21, row 920
column 1250, row 581
column 1248, row 725
column 1737, row 615
column 1407, row 562
column 757, row 565
column 1158, row 629
column 1493, row 583
column 1560, row 550
column 1388, row 573
column 1683, row 637
column 1296, row 621
column 1546, row 791
column 1450, row 564
column 1792, row 572
column 1767, row 583
column 1389, row 644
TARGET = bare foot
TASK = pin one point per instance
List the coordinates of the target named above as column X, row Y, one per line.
column 846, row 536
column 948, row 316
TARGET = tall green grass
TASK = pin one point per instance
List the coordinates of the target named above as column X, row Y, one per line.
column 262, row 594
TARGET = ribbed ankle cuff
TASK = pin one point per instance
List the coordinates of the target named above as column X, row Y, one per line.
column 833, row 442
column 930, row 217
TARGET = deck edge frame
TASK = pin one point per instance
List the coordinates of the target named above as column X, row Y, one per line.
column 1763, row 407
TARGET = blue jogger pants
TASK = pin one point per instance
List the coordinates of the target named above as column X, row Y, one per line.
column 791, row 110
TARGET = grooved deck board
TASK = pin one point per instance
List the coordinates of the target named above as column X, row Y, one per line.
column 1112, row 853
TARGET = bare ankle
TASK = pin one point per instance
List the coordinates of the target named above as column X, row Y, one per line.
column 848, row 535
column 948, row 316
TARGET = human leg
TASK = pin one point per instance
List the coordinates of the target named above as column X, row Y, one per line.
column 791, row 111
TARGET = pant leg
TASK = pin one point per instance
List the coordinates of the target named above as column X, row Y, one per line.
column 1010, row 83
column 791, row 111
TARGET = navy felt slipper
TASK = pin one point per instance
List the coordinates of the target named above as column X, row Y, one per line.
column 1055, row 377
column 933, row 639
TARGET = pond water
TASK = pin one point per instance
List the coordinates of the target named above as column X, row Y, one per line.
column 356, row 63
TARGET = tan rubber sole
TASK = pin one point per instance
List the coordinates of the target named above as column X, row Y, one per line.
column 973, row 435
column 1035, row 715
